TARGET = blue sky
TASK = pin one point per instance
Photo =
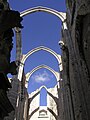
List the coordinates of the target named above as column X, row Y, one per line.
column 40, row 28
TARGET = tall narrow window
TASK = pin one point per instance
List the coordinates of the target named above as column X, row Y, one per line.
column 43, row 97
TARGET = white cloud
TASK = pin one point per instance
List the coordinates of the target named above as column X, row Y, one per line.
column 42, row 77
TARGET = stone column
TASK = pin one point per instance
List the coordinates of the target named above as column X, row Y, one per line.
column 67, row 86
column 18, row 44
column 26, row 107
column 60, row 99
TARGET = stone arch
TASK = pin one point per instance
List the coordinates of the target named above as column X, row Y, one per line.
column 57, row 56
column 45, row 98
column 51, row 95
column 60, row 15
column 22, row 58
column 43, row 87
column 38, row 92
column 28, row 75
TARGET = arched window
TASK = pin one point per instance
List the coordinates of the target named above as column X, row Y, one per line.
column 43, row 97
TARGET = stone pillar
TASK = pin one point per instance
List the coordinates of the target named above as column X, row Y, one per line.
column 21, row 98
column 20, row 103
column 18, row 44
column 26, row 107
column 14, row 92
column 60, row 99
column 67, row 86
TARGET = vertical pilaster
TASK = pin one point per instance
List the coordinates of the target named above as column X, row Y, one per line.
column 20, row 72
column 18, row 44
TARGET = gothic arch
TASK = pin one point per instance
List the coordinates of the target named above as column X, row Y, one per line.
column 38, row 92
column 50, row 94
column 60, row 15
column 43, row 87
column 22, row 58
column 57, row 56
column 28, row 75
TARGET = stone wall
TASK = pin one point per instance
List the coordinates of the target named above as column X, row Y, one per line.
column 52, row 101
column 34, row 100
column 76, row 59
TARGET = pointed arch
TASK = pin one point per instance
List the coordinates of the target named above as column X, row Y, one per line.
column 60, row 15
column 57, row 56
column 56, row 74
column 50, row 94
column 43, row 87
